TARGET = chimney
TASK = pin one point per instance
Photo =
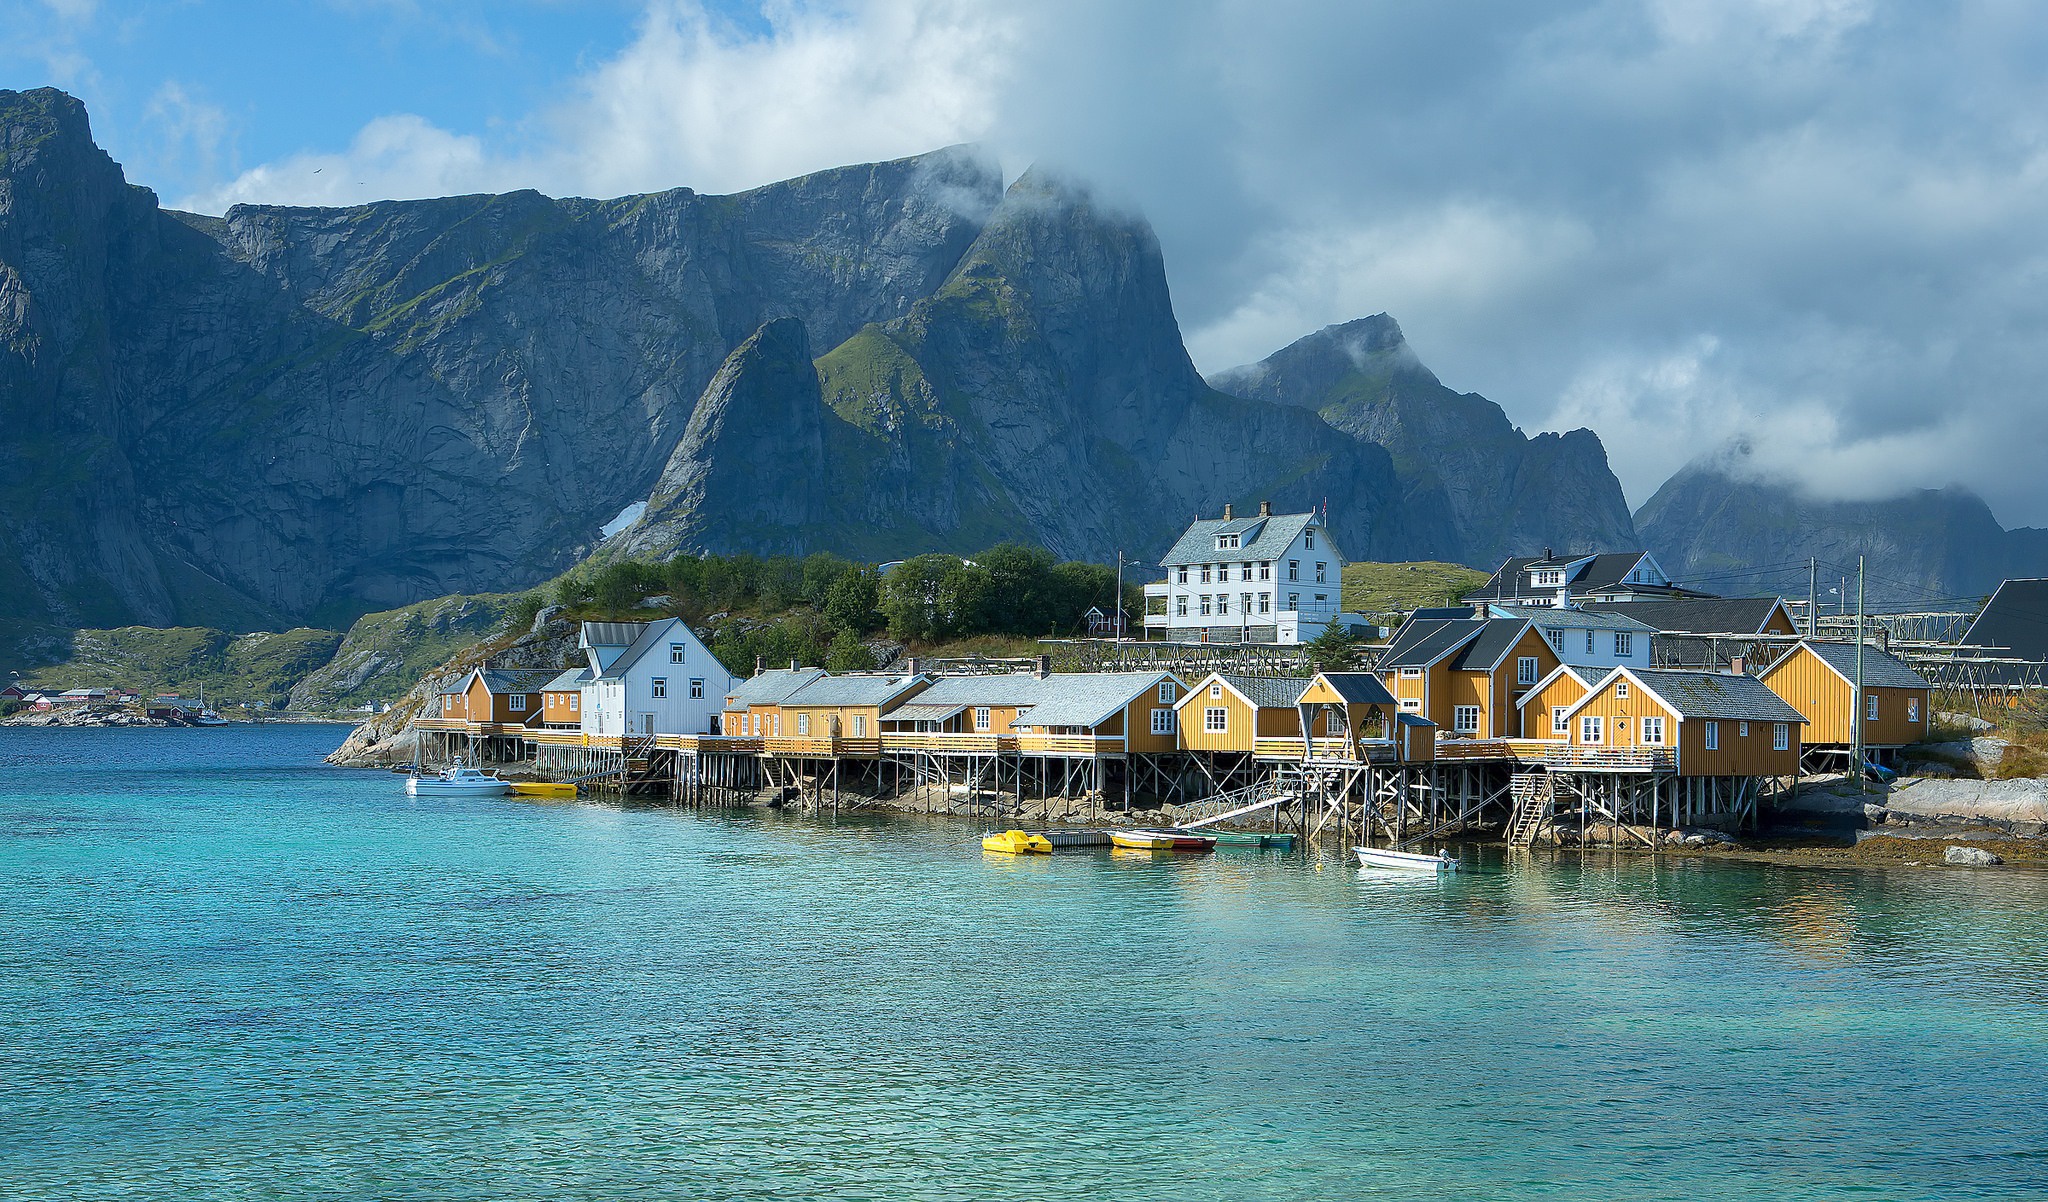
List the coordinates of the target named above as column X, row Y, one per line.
column 793, row 665
column 1226, row 513
column 760, row 664
column 1736, row 665
column 1265, row 509
column 1548, row 554
column 911, row 668
column 1043, row 668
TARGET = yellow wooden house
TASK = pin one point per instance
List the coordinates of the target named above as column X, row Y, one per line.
column 1467, row 675
column 1686, row 722
column 1819, row 680
column 1231, row 713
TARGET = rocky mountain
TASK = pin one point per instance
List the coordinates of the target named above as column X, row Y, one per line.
column 1455, row 453
column 1720, row 523
column 289, row 416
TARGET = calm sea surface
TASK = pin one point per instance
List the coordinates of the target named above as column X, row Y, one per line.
column 229, row 972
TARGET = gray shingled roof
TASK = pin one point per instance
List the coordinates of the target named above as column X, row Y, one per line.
column 1601, row 572
column 1496, row 636
column 1695, row 615
column 1421, row 642
column 518, row 680
column 611, row 634
column 1881, row 669
column 1359, row 688
column 1263, row 538
column 1087, row 698
column 1552, row 618
column 1267, row 692
column 1717, row 695
column 770, row 687
column 1009, row 688
column 852, row 689
column 917, row 711
column 570, row 681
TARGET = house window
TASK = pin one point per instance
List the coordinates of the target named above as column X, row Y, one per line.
column 1293, row 602
column 776, row 718
column 1166, row 692
column 1547, row 578
column 1265, row 603
column 1180, row 606
column 1589, row 729
column 1216, row 689
column 1333, row 723
column 1589, row 642
column 660, row 687
column 1308, row 539
column 696, row 690
column 1912, row 709
column 860, row 726
column 516, row 702
column 1216, row 719
column 1321, row 598
column 1870, row 708
column 1781, row 736
column 803, row 724
column 1559, row 723
column 1244, row 601
column 1411, row 704
column 1742, row 730
column 1711, row 733
column 1465, row 719
column 1411, row 674
column 1244, row 571
column 1205, row 602
column 1205, row 573
column 753, row 724
column 675, row 653
column 981, row 717
column 1623, row 643
column 1294, row 569
column 1556, row 638
column 1226, row 542
column 1266, row 570
column 1162, row 722
column 1653, row 731
column 1183, row 579
column 575, row 702
column 1621, row 690
column 448, row 705
column 1525, row 670
column 1223, row 603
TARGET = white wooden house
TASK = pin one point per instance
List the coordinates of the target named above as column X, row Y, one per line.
column 1267, row 578
column 650, row 678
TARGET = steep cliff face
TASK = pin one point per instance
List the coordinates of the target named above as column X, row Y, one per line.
column 1456, row 453
column 1718, row 521
column 1042, row 392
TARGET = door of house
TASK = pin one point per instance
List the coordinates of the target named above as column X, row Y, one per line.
column 646, row 724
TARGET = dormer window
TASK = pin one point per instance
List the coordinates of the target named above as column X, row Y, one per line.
column 1226, row 542
column 1308, row 538
column 1550, row 577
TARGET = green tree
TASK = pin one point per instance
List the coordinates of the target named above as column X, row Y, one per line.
column 822, row 572
column 572, row 591
column 911, row 596
column 1333, row 650
column 618, row 587
column 854, row 600
column 848, row 654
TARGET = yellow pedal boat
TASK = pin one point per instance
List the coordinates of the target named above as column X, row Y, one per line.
column 1018, row 843
column 542, row 788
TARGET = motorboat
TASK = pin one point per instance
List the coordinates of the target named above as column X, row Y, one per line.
column 1157, row 840
column 1412, row 861
column 206, row 717
column 1018, row 843
column 458, row 780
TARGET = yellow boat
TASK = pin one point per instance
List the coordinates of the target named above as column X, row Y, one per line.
column 542, row 788
column 1150, row 840
column 1018, row 843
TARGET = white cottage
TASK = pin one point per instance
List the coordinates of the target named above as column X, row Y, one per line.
column 1270, row 578
column 650, row 678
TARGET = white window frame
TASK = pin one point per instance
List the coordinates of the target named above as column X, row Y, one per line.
column 1556, row 638
column 1525, row 669
column 696, row 689
column 1205, row 604
column 1624, row 644
column 1621, row 690
column 675, row 653
column 803, row 725
column 1215, row 689
column 1653, row 731
column 1244, row 572
column 860, row 726
column 1411, row 704
column 1322, row 571
column 660, row 686
column 1710, row 736
column 1180, row 606
column 1308, row 539
column 1265, row 603
column 575, row 702
column 1226, row 542
column 1465, row 719
column 981, row 720
column 1165, row 692
column 1206, row 569
column 1592, row 730
column 1162, row 722
column 1742, row 730
column 516, row 702
column 1781, row 736
column 1293, row 602
column 1183, row 579
column 1589, row 642
column 1870, row 707
column 1265, row 569
column 1293, row 569
column 1411, row 674
column 1560, row 720
column 1223, row 605
column 1216, row 720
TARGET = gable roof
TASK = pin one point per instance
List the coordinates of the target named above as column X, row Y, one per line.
column 1422, row 642
column 609, row 634
column 515, row 680
column 917, row 711
column 1358, row 688
column 2014, row 623
column 1087, row 698
column 1266, row 692
column 570, row 681
column 1583, row 574
column 1550, row 617
column 770, row 687
column 1497, row 637
column 1004, row 688
column 1881, row 669
column 1697, row 615
column 853, row 689
column 1262, row 538
column 1587, row 677
column 650, row 636
column 1705, row 695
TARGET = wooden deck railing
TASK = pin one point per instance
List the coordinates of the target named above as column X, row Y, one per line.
column 1331, row 747
column 1559, row 754
column 948, row 742
column 1037, row 744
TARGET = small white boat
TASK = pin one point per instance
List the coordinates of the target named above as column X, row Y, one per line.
column 206, row 717
column 458, row 781
column 1412, row 861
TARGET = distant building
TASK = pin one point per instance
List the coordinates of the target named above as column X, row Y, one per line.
column 1551, row 579
column 1819, row 680
column 1704, row 632
column 1268, row 578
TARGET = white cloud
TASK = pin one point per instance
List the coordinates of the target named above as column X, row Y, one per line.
column 395, row 156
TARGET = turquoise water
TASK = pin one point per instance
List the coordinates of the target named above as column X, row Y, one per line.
column 229, row 972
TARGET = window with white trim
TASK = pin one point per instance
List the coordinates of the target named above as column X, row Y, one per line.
column 803, row 724
column 1205, row 573
column 1308, row 538
column 860, row 726
column 1216, row 688
column 1293, row 602
column 1589, row 642
column 1183, row 576
column 1621, row 690
column 1781, row 736
column 1216, row 719
column 575, row 702
column 675, row 653
column 1265, row 603
column 1870, row 708
column 1322, row 572
column 1333, row 723
column 660, row 687
column 1244, row 571
column 516, row 702
column 696, row 689
column 1465, row 719
column 1226, row 542
column 1710, row 734
column 1411, row 704
column 1653, row 731
column 1742, row 730
column 1162, row 722
column 448, row 703
column 1166, row 692
column 1294, row 569
column 1411, row 674
column 1624, row 643
column 1525, row 670
column 1556, row 638
column 1547, row 578
column 1244, row 603
column 1180, row 606
column 1590, row 729
column 1205, row 604
column 1265, row 569
column 1223, row 604
column 1560, row 724
column 981, row 717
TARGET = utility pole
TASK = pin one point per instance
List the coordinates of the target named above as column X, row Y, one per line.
column 1812, row 595
column 1119, row 596
column 1858, row 750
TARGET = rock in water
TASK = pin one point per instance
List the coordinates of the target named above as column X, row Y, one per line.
column 1970, row 857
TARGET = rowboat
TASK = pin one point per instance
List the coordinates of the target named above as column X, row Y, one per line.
column 1018, row 843
column 1375, row 857
column 1151, row 840
column 458, row 781
column 542, row 788
column 1252, row 839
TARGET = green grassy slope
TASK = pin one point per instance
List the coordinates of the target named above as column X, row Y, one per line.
column 1372, row 588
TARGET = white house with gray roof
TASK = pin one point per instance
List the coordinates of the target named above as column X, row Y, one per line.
column 1268, row 578
column 1586, row 639
column 650, row 678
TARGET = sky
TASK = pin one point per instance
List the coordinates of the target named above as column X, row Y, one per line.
column 1814, row 229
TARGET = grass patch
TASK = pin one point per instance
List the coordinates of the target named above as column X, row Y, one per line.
column 1377, row 588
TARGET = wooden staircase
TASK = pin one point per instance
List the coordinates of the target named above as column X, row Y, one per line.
column 1533, row 796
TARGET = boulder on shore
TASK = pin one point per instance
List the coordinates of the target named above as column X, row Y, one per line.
column 1970, row 857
